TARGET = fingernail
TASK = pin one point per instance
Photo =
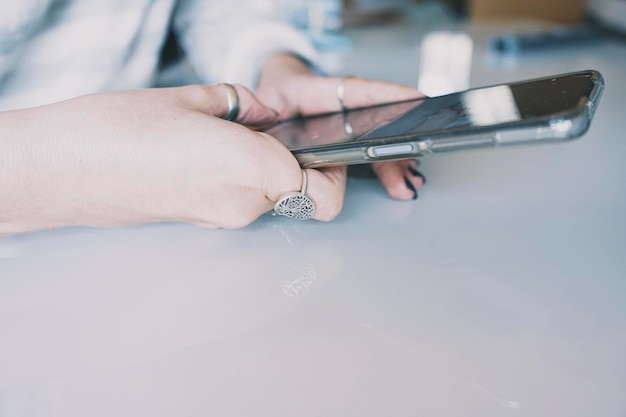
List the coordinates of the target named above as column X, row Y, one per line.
column 417, row 174
column 410, row 186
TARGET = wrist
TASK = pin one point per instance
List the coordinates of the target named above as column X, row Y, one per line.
column 36, row 186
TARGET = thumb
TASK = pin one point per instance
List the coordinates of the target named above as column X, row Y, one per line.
column 327, row 187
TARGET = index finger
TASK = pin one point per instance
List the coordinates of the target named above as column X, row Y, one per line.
column 359, row 92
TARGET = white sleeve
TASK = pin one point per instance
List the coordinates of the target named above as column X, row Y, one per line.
column 229, row 40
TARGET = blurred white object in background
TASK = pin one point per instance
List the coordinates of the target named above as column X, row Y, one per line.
column 445, row 63
column 611, row 13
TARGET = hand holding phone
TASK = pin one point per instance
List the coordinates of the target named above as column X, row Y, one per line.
column 541, row 110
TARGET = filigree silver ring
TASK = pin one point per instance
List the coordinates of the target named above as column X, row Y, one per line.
column 296, row 205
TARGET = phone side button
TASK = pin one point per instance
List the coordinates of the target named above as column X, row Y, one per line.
column 390, row 150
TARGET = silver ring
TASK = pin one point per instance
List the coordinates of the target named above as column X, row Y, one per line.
column 341, row 88
column 233, row 102
column 297, row 206
column 347, row 127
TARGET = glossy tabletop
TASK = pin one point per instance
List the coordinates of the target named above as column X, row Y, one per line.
column 501, row 291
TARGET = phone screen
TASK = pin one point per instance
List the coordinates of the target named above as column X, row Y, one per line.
column 497, row 105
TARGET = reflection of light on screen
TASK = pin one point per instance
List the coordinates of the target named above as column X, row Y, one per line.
column 445, row 63
column 491, row 105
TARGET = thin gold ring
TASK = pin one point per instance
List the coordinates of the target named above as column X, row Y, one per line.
column 233, row 102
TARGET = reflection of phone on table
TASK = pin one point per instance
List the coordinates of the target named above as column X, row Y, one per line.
column 541, row 110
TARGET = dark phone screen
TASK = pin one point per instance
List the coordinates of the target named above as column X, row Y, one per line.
column 480, row 107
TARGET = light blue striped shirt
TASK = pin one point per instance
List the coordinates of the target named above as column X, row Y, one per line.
column 51, row 50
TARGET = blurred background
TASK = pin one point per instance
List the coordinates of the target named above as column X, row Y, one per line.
column 451, row 36
column 610, row 12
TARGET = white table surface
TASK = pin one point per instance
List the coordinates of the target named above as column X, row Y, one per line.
column 500, row 292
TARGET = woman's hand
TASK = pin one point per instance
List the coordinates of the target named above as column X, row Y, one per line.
column 287, row 85
column 160, row 155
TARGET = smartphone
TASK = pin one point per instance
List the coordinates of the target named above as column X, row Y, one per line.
column 555, row 108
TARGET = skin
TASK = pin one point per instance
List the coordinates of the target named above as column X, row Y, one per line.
column 287, row 85
column 168, row 155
